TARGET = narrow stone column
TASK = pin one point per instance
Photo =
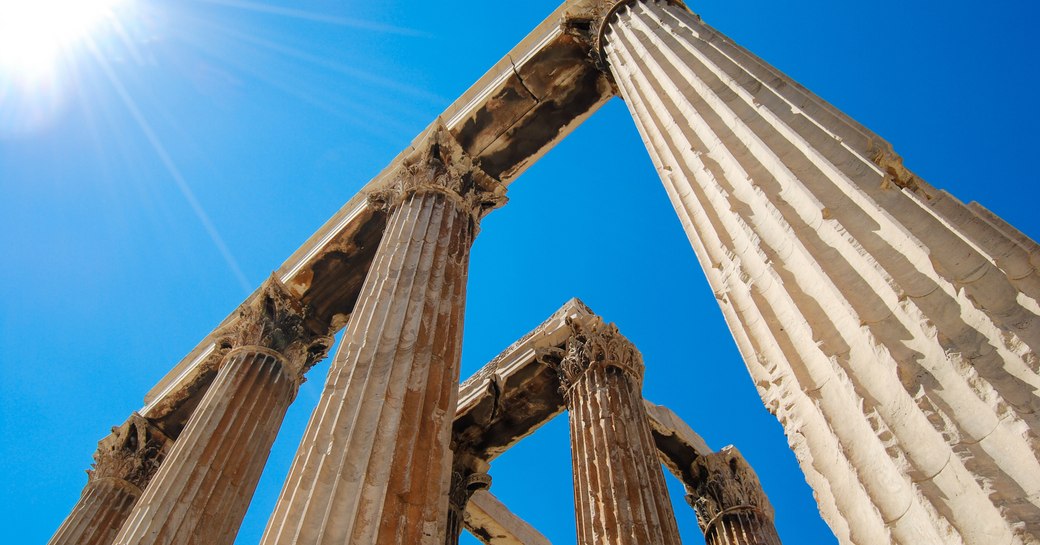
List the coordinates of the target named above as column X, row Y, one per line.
column 201, row 492
column 891, row 328
column 731, row 507
column 619, row 489
column 465, row 481
column 374, row 465
column 124, row 463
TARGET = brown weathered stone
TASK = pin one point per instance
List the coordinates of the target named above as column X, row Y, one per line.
column 374, row 465
column 619, row 489
column 124, row 463
column 731, row 507
column 201, row 492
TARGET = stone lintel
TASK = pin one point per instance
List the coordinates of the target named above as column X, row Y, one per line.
column 490, row 521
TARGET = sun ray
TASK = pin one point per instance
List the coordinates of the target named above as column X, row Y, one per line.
column 303, row 15
column 171, row 168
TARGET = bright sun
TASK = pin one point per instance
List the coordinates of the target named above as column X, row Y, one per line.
column 35, row 33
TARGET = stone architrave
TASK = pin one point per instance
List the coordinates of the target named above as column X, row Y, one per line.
column 201, row 492
column 892, row 329
column 374, row 465
column 619, row 489
column 731, row 507
column 124, row 463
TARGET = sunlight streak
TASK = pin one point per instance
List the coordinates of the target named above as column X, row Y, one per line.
column 173, row 171
column 317, row 17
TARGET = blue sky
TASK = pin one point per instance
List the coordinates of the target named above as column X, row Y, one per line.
column 149, row 189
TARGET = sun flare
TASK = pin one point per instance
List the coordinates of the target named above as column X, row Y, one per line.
column 35, row 33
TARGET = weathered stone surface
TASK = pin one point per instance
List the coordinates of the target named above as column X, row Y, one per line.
column 619, row 491
column 889, row 327
column 201, row 492
column 493, row 524
column 731, row 507
column 124, row 464
column 374, row 465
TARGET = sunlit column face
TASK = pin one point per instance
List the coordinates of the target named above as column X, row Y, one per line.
column 35, row 33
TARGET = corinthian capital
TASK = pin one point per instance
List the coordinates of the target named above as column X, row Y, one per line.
column 275, row 320
column 725, row 483
column 592, row 344
column 588, row 20
column 440, row 165
column 132, row 453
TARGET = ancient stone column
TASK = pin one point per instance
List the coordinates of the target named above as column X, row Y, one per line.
column 891, row 328
column 464, row 482
column 124, row 463
column 374, row 465
column 201, row 492
column 619, row 490
column 731, row 507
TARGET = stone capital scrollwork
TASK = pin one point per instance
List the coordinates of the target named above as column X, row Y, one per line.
column 589, row 20
column 274, row 321
column 593, row 344
column 724, row 483
column 131, row 454
column 440, row 165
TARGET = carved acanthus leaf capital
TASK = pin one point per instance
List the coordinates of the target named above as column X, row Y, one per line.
column 132, row 453
column 439, row 164
column 589, row 20
column 276, row 320
column 725, row 483
column 593, row 343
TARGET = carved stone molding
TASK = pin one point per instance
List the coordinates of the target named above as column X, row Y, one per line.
column 274, row 321
column 440, row 165
column 725, row 483
column 132, row 453
column 588, row 21
column 593, row 344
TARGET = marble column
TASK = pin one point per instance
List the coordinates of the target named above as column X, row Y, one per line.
column 619, row 490
column 731, row 507
column 201, row 492
column 124, row 463
column 891, row 328
column 466, row 479
column 374, row 465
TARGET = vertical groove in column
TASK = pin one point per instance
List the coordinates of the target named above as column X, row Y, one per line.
column 374, row 463
column 202, row 491
column 124, row 464
column 619, row 489
column 731, row 507
column 867, row 283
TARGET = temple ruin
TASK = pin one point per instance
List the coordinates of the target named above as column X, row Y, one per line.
column 891, row 328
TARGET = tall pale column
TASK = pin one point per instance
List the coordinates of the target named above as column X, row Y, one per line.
column 124, row 463
column 619, row 489
column 731, row 507
column 201, row 492
column 374, row 465
column 892, row 329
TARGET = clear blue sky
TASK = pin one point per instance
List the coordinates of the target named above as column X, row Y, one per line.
column 165, row 175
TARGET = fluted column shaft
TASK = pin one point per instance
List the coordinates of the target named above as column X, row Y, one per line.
column 619, row 489
column 876, row 314
column 202, row 491
column 731, row 507
column 124, row 463
column 374, row 464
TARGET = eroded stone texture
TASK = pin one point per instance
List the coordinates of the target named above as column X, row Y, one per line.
column 731, row 507
column 466, row 479
column 201, row 492
column 619, row 489
column 891, row 329
column 124, row 463
column 374, row 466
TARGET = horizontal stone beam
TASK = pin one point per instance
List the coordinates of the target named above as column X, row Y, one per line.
column 493, row 523
column 526, row 103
